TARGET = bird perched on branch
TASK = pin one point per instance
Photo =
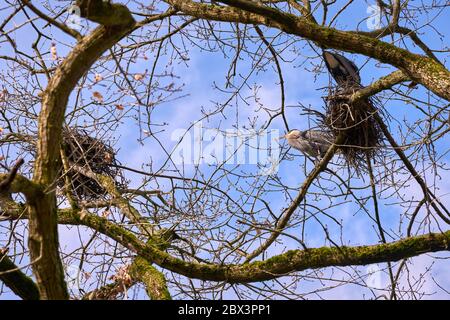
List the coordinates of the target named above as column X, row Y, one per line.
column 314, row 143
column 344, row 71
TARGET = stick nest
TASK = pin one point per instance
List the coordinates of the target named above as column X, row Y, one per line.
column 88, row 154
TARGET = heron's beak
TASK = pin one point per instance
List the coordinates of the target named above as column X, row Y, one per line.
column 282, row 137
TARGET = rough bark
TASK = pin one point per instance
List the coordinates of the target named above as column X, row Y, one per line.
column 279, row 265
column 153, row 280
column 115, row 23
column 16, row 280
column 43, row 233
column 421, row 69
column 291, row 261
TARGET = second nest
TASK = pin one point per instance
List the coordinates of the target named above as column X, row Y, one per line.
column 87, row 154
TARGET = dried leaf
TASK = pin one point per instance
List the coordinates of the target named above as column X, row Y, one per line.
column 138, row 76
column 97, row 96
column 3, row 94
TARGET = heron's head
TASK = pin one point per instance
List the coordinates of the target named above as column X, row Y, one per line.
column 293, row 134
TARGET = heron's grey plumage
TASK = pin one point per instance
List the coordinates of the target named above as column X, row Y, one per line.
column 343, row 70
column 314, row 143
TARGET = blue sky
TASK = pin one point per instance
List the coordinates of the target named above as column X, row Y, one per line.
column 198, row 76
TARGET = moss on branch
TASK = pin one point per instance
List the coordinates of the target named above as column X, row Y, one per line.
column 153, row 279
column 105, row 13
column 421, row 69
column 16, row 280
column 280, row 265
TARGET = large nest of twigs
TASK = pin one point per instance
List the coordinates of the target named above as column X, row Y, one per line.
column 86, row 155
column 356, row 121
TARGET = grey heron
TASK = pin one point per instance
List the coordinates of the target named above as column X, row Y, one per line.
column 314, row 143
column 344, row 71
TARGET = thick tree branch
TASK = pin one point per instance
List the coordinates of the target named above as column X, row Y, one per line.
column 277, row 266
column 43, row 235
column 421, row 69
column 5, row 183
column 280, row 265
column 12, row 182
column 105, row 13
column 16, row 280
column 153, row 279
column 381, row 84
column 139, row 271
column 404, row 31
